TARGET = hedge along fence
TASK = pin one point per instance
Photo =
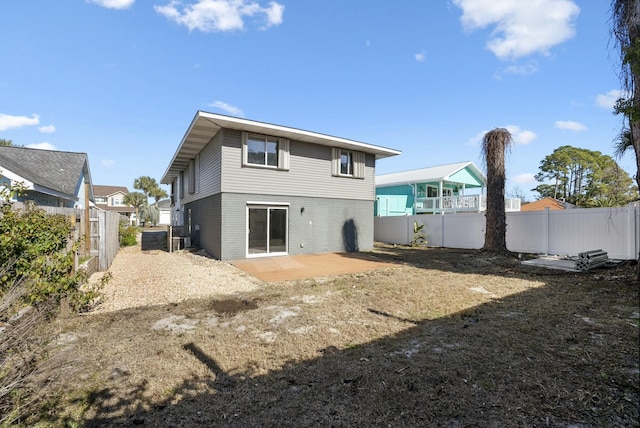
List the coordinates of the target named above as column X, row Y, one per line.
column 102, row 236
column 565, row 232
column 36, row 274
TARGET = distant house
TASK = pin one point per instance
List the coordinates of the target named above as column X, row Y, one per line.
column 244, row 188
column 111, row 198
column 51, row 178
column 551, row 203
column 164, row 208
column 434, row 190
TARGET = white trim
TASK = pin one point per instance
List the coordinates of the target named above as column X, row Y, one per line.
column 267, row 207
column 267, row 128
column 278, row 204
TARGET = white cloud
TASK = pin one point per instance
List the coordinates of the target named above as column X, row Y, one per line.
column 609, row 99
column 8, row 121
column 42, row 146
column 49, row 129
column 113, row 4
column 520, row 136
column 420, row 57
column 570, row 125
column 226, row 107
column 522, row 69
column 107, row 162
column 220, row 15
column 521, row 27
column 526, row 178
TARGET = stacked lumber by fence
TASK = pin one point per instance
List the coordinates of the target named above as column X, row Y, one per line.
column 591, row 259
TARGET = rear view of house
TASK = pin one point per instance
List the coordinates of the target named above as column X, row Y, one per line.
column 243, row 188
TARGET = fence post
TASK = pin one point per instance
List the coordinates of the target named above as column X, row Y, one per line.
column 634, row 236
column 102, row 241
column 545, row 230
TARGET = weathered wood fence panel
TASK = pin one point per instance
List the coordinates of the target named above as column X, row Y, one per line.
column 103, row 230
column 108, row 239
column 567, row 232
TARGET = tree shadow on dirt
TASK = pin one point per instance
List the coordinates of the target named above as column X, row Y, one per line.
column 558, row 355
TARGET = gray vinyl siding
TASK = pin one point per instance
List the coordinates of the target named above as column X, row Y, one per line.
column 209, row 173
column 325, row 225
column 210, row 166
column 309, row 173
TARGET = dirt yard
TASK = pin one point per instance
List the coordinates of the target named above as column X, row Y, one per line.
column 445, row 338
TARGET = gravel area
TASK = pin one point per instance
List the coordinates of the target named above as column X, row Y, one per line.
column 147, row 278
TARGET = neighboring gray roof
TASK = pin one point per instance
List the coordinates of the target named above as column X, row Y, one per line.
column 426, row 175
column 164, row 204
column 205, row 125
column 106, row 191
column 55, row 170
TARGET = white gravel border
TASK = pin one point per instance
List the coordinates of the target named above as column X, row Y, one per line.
column 146, row 278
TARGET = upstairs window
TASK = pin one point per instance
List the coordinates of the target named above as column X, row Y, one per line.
column 347, row 163
column 101, row 200
column 117, row 201
column 262, row 151
column 265, row 151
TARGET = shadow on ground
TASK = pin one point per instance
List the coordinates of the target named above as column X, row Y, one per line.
column 565, row 354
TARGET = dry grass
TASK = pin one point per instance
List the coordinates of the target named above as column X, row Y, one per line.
column 447, row 338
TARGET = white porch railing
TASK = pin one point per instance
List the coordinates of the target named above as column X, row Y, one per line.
column 452, row 204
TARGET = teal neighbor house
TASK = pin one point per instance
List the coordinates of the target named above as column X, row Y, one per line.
column 434, row 190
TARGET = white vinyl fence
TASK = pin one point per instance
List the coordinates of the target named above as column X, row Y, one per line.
column 566, row 232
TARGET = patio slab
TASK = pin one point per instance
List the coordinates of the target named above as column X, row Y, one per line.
column 290, row 268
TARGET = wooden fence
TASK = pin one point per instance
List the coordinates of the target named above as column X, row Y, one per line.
column 103, row 232
column 565, row 232
column 104, row 237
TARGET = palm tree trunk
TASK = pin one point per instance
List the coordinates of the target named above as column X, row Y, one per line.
column 495, row 143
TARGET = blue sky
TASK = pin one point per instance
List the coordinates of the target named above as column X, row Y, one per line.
column 122, row 79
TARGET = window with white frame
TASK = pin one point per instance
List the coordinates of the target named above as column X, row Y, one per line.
column 117, row 201
column 265, row 151
column 347, row 163
column 101, row 200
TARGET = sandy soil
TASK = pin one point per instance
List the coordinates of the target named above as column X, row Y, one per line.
column 148, row 278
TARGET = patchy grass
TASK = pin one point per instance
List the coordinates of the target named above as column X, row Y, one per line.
column 446, row 338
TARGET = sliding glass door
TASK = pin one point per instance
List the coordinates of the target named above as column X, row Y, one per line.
column 267, row 230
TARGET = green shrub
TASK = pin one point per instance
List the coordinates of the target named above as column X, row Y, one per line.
column 128, row 235
column 34, row 248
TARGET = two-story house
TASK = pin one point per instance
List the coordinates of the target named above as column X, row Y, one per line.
column 111, row 198
column 244, row 188
column 437, row 189
column 50, row 177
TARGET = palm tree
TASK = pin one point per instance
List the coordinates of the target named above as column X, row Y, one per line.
column 625, row 30
column 146, row 184
column 158, row 193
column 137, row 200
column 623, row 143
column 494, row 145
column 150, row 214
